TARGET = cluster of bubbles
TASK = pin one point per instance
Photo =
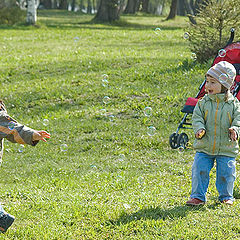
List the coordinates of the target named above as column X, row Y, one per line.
column 151, row 130
column 106, row 99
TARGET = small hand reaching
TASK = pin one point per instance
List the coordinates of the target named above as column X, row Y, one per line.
column 41, row 135
column 232, row 134
column 200, row 133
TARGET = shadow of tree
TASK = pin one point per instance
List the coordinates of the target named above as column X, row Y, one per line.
column 159, row 213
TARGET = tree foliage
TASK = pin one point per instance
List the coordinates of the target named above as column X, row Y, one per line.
column 214, row 22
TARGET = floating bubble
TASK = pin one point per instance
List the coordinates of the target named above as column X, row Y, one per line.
column 194, row 56
column 231, row 164
column 230, row 73
column 223, row 78
column 157, row 30
column 64, row 147
column 186, row 35
column 121, row 157
column 104, row 76
column 45, row 122
column 106, row 100
column 222, row 53
column 151, row 131
column 111, row 117
column 141, row 180
column 21, row 148
column 103, row 111
column 11, row 125
column 76, row 39
column 147, row 111
column 181, row 149
column 93, row 166
column 126, row 206
column 105, row 83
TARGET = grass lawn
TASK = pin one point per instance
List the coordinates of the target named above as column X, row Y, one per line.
column 101, row 176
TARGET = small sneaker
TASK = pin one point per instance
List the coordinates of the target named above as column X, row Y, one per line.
column 195, row 202
column 228, row 202
column 6, row 220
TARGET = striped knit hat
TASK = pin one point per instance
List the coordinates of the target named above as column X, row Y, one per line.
column 224, row 72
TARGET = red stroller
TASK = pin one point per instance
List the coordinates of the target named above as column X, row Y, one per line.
column 231, row 54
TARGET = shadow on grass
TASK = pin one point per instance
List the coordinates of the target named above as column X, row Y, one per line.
column 158, row 213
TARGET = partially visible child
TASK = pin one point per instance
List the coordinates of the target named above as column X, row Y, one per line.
column 16, row 133
column 216, row 124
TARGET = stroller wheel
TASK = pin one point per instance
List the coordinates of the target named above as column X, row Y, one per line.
column 173, row 140
column 182, row 140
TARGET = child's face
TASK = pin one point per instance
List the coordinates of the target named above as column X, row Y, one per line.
column 212, row 85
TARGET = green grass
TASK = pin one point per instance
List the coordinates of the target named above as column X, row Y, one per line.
column 114, row 181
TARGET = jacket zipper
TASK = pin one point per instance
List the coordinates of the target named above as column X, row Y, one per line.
column 215, row 127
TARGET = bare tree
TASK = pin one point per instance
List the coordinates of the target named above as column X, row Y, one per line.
column 108, row 11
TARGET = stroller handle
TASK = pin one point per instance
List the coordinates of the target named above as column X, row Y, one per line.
column 231, row 36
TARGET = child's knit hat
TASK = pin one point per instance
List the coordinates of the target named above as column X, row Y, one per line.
column 224, row 72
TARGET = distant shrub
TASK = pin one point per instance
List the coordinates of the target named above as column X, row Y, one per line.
column 214, row 22
column 11, row 15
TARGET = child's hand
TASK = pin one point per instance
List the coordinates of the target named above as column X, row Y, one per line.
column 200, row 133
column 232, row 134
column 41, row 135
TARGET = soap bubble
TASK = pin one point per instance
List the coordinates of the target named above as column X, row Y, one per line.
column 141, row 180
column 222, row 53
column 104, row 82
column 64, row 147
column 223, row 78
column 193, row 56
column 157, row 30
column 11, row 125
column 230, row 73
column 126, row 206
column 103, row 111
column 76, row 39
column 121, row 157
column 111, row 117
column 106, row 100
column 104, row 76
column 45, row 122
column 21, row 148
column 181, row 149
column 147, row 111
column 186, row 35
column 231, row 164
column 151, row 131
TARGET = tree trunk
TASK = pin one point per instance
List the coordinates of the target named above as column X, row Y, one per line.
column 94, row 6
column 132, row 6
column 73, row 5
column 46, row 3
column 108, row 11
column 63, row 4
column 145, row 4
column 180, row 8
column 31, row 12
column 189, row 12
column 81, row 6
column 173, row 10
column 89, row 7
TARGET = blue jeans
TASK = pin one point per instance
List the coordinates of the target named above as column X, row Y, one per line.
column 225, row 171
